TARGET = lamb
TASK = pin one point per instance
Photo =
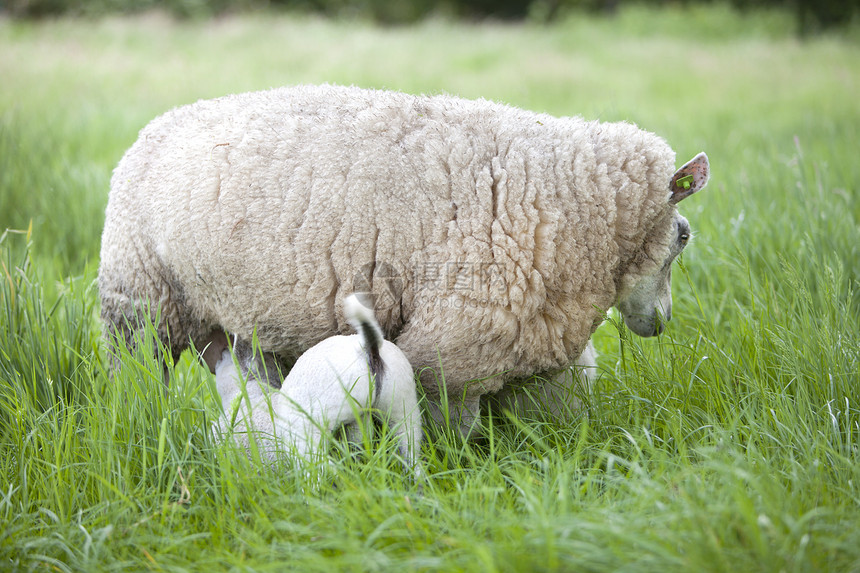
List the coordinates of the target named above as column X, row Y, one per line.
column 492, row 239
column 328, row 386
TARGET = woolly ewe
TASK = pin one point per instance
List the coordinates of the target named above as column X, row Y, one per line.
column 493, row 239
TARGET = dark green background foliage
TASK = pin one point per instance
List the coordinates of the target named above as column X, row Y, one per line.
column 811, row 15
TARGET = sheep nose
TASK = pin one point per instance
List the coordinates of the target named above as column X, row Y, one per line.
column 660, row 320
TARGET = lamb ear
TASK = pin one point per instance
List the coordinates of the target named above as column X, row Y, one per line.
column 692, row 177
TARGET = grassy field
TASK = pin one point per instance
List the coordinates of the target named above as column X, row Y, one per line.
column 728, row 444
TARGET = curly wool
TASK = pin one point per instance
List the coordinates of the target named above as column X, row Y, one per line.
column 492, row 238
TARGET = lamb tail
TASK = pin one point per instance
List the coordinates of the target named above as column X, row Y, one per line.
column 362, row 319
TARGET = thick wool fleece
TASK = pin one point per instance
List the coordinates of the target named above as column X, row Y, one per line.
column 492, row 238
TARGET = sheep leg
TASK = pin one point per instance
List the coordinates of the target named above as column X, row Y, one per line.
column 407, row 425
column 582, row 374
column 262, row 366
column 303, row 435
column 141, row 296
column 355, row 431
column 559, row 395
column 562, row 393
column 463, row 414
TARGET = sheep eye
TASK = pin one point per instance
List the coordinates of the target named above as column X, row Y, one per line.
column 684, row 237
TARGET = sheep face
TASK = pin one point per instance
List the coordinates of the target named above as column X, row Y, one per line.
column 648, row 307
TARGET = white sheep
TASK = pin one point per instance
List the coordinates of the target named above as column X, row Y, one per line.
column 331, row 384
column 492, row 238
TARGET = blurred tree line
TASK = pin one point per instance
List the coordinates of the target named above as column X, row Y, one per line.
column 812, row 15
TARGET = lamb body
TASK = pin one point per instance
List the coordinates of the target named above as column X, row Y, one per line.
column 329, row 384
column 492, row 238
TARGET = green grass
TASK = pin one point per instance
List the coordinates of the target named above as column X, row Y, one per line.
column 728, row 444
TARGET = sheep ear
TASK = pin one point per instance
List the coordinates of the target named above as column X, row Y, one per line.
column 692, row 177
